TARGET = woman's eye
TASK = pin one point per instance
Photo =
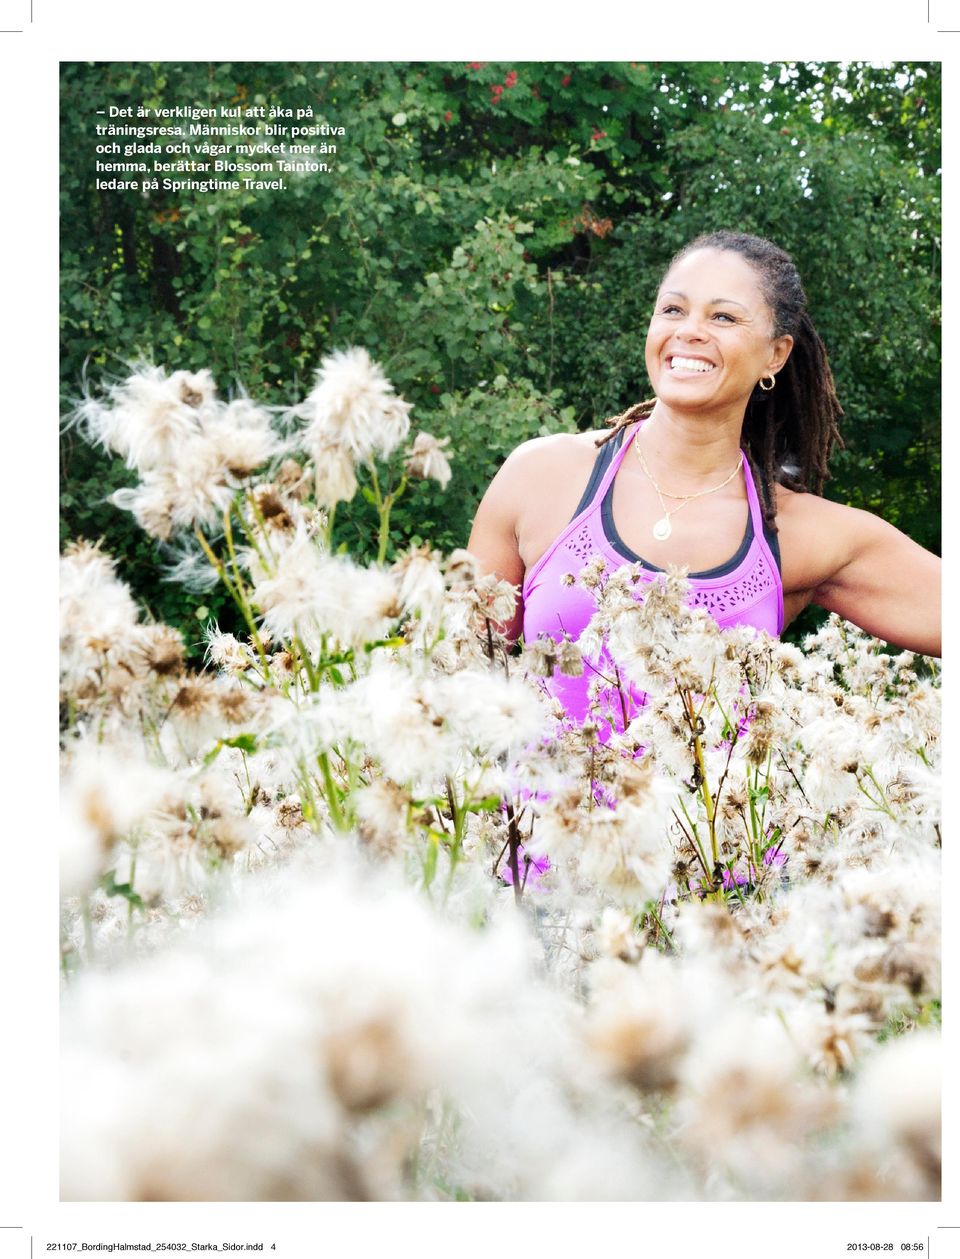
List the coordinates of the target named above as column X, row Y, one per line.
column 672, row 309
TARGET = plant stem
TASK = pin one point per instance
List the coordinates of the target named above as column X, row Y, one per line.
column 87, row 927
column 707, row 799
column 512, row 861
column 241, row 592
column 384, row 504
column 130, row 878
column 237, row 598
column 306, row 663
column 883, row 803
column 255, row 508
column 659, row 921
column 331, row 792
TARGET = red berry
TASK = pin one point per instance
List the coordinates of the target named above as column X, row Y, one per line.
column 511, row 79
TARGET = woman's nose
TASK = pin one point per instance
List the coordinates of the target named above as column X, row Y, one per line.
column 691, row 327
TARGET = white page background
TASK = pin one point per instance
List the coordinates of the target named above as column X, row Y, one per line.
column 32, row 1216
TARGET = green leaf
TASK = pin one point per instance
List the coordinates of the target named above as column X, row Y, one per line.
column 245, row 742
column 113, row 888
column 430, row 861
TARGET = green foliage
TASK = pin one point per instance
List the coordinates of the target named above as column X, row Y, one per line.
column 485, row 424
column 113, row 888
column 245, row 742
column 906, row 1018
column 493, row 234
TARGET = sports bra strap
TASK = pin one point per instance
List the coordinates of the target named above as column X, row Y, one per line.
column 756, row 512
column 760, row 527
column 620, row 445
column 600, row 464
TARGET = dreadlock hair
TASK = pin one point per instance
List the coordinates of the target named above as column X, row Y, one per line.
column 789, row 431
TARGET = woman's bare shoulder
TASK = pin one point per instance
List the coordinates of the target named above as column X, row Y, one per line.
column 556, row 446
column 801, row 509
column 538, row 485
column 542, row 459
column 818, row 536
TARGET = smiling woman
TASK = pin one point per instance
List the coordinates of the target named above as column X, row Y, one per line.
column 726, row 476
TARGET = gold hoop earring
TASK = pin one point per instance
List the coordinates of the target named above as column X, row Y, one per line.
column 771, row 378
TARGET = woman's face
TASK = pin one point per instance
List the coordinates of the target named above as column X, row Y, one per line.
column 711, row 335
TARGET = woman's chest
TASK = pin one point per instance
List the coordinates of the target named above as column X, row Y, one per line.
column 634, row 522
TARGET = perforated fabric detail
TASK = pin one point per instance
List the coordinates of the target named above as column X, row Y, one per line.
column 731, row 599
column 581, row 543
column 723, row 598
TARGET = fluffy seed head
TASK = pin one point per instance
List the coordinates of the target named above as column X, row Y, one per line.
column 353, row 406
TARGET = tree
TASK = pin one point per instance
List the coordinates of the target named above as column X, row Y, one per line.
column 493, row 233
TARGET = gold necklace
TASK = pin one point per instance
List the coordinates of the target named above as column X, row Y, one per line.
column 662, row 529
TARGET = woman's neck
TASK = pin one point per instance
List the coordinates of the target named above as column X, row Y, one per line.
column 687, row 450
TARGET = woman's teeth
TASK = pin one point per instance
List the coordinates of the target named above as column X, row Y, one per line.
column 690, row 364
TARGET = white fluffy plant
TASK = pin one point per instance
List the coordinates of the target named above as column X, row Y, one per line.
column 355, row 418
column 736, row 896
column 342, row 643
column 330, row 1037
column 191, row 450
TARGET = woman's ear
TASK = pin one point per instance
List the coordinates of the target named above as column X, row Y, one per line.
column 780, row 352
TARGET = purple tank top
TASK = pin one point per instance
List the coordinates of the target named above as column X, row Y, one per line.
column 746, row 590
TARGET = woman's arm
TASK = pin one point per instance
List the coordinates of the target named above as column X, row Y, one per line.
column 493, row 539
column 863, row 568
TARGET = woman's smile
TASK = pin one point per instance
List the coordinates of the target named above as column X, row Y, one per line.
column 689, row 365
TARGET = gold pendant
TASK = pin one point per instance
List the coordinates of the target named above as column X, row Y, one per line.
column 662, row 530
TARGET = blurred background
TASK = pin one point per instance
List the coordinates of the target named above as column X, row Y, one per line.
column 493, row 233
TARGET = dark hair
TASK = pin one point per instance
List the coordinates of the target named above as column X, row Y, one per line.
column 789, row 431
